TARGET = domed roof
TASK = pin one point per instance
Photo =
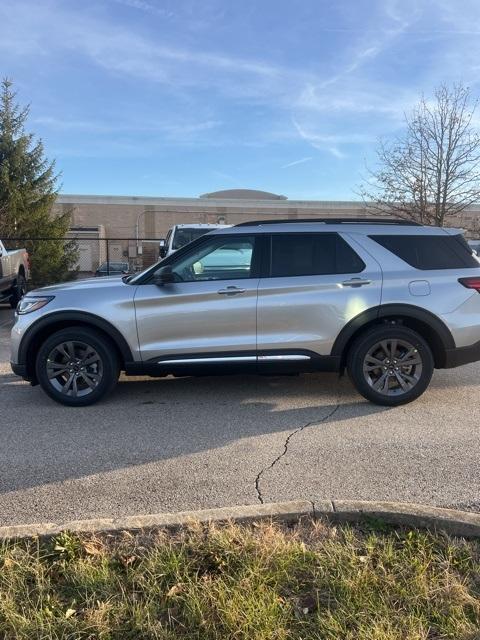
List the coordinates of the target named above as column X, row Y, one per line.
column 243, row 194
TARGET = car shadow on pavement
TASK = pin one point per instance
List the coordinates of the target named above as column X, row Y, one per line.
column 145, row 421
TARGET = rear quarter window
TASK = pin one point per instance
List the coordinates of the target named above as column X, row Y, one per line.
column 430, row 252
column 299, row 254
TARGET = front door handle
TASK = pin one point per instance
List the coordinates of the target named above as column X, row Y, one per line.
column 231, row 291
column 355, row 282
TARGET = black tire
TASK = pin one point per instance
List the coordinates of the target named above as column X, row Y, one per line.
column 89, row 384
column 396, row 383
column 18, row 290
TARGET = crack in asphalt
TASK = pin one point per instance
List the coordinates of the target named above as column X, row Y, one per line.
column 285, row 449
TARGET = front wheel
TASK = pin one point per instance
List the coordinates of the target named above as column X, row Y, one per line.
column 77, row 366
column 390, row 365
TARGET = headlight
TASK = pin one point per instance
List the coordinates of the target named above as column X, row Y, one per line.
column 27, row 305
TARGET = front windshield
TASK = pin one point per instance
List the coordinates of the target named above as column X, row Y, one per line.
column 241, row 257
column 134, row 278
column 185, row 235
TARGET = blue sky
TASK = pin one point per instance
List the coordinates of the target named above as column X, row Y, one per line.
column 182, row 97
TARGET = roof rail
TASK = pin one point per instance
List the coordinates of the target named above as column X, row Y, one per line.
column 396, row 221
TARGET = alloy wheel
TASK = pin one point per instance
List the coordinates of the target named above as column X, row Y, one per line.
column 392, row 367
column 74, row 368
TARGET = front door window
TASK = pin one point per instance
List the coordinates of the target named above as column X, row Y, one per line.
column 226, row 259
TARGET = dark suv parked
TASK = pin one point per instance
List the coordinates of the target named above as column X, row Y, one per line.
column 112, row 269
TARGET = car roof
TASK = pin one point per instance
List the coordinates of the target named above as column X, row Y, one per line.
column 201, row 225
column 363, row 228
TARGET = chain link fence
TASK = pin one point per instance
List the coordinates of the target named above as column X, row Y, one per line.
column 89, row 256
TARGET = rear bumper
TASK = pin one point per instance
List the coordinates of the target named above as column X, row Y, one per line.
column 462, row 355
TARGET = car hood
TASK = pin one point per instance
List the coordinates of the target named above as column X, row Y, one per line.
column 108, row 282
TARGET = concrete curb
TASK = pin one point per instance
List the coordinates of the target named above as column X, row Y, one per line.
column 456, row 523
column 284, row 511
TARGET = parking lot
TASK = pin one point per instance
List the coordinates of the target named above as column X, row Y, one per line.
column 176, row 444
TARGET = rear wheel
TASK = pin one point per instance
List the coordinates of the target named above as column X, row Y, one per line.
column 77, row 366
column 19, row 289
column 390, row 365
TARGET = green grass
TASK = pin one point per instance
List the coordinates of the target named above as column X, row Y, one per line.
column 264, row 582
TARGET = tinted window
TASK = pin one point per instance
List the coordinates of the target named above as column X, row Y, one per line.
column 299, row 254
column 184, row 236
column 430, row 252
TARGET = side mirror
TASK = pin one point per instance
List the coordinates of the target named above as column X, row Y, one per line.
column 163, row 276
column 162, row 248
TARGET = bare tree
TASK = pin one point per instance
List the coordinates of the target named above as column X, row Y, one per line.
column 432, row 172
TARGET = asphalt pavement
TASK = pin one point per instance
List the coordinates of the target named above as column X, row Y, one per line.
column 191, row 443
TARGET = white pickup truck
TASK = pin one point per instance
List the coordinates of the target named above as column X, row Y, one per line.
column 14, row 273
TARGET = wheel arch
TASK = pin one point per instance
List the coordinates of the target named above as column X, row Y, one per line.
column 44, row 327
column 429, row 326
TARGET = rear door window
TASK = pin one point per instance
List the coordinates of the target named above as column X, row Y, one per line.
column 309, row 254
column 430, row 252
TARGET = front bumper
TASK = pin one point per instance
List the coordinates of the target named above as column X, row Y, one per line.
column 20, row 370
column 462, row 355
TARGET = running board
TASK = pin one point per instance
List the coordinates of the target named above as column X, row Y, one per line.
column 220, row 359
column 213, row 364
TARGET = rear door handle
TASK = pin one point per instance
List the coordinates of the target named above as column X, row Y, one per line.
column 355, row 282
column 231, row 291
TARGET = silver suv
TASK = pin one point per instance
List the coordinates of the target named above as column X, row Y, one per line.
column 387, row 301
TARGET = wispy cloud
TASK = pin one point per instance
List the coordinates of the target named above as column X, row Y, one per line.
column 295, row 162
column 335, row 151
column 358, row 59
column 350, row 90
column 175, row 130
column 226, row 178
column 142, row 72
column 369, row 46
column 139, row 57
column 330, row 142
column 128, row 51
column 147, row 7
column 88, row 126
column 362, row 97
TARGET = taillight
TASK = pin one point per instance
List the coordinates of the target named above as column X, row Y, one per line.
column 471, row 283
